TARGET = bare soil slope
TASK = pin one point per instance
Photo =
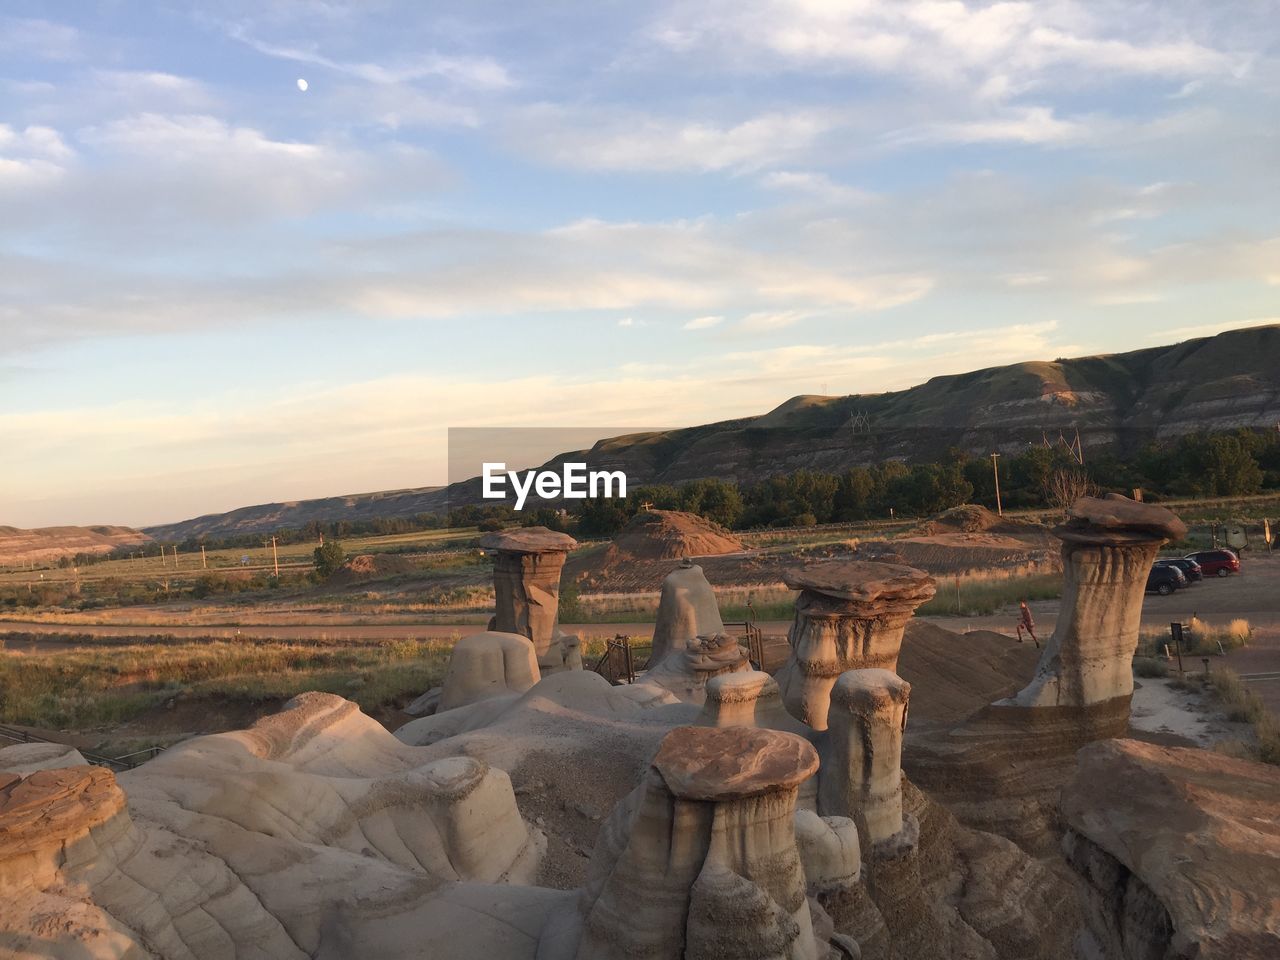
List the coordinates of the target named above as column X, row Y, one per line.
column 44, row 544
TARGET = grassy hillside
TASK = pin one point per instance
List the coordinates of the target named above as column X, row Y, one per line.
column 1118, row 401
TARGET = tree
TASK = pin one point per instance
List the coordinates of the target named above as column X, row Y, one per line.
column 715, row 499
column 1065, row 485
column 328, row 558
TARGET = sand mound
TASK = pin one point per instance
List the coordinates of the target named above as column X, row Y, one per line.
column 670, row 535
column 972, row 518
column 369, row 566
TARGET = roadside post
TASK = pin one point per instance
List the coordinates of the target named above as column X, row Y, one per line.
column 1175, row 631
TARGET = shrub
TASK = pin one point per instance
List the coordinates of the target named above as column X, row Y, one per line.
column 1149, row 667
column 328, row 558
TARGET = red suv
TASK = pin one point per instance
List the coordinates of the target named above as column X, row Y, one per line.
column 1220, row 563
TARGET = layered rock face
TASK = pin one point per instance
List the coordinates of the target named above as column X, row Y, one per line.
column 748, row 699
column 1002, row 769
column 1108, row 547
column 1180, row 854
column 701, row 860
column 849, row 616
column 686, row 609
column 274, row 842
column 526, row 585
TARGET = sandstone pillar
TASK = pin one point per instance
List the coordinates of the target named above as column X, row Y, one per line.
column 849, row 616
column 701, row 860
column 862, row 756
column 687, row 609
column 1108, row 546
column 526, row 586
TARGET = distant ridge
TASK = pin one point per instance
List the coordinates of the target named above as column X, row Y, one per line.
column 1118, row 401
column 43, row 544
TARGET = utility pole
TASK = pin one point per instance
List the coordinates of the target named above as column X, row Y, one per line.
column 204, row 561
column 163, row 561
column 175, row 556
column 275, row 557
column 995, row 472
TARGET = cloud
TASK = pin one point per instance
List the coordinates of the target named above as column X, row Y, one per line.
column 618, row 139
column 1033, row 125
column 704, row 323
column 764, row 320
column 482, row 73
column 817, row 186
column 35, row 39
column 1010, row 44
column 33, row 157
column 626, row 322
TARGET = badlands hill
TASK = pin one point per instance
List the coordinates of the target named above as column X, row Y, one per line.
column 1117, row 400
column 45, row 544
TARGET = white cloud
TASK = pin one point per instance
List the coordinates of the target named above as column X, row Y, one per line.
column 482, row 73
column 33, row 157
column 620, row 140
column 764, row 320
column 818, row 186
column 704, row 323
column 1012, row 41
column 626, row 322
column 39, row 39
column 1035, row 125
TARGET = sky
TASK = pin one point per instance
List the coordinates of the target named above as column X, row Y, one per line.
column 218, row 289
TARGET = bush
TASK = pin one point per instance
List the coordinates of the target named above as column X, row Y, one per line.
column 1149, row 667
column 328, row 558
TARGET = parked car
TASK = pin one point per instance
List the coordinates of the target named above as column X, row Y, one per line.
column 1164, row 579
column 1190, row 569
column 1216, row 563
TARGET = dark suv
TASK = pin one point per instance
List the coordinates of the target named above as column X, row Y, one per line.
column 1164, row 579
column 1216, row 563
column 1190, row 569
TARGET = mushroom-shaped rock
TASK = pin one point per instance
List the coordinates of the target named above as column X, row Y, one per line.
column 686, row 670
column 526, row 585
column 701, row 860
column 862, row 755
column 486, row 665
column 1108, row 546
column 686, row 609
column 850, row 615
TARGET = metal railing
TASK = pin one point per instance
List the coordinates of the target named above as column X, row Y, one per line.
column 127, row 762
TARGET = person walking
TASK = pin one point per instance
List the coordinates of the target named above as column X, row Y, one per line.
column 1026, row 622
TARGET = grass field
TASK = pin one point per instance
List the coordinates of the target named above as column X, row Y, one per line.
column 114, row 682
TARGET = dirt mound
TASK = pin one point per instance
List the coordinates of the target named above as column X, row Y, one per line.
column 953, row 675
column 370, row 566
column 972, row 518
column 670, row 535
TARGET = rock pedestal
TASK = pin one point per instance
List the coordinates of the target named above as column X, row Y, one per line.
column 862, row 756
column 701, row 860
column 690, row 666
column 1108, row 546
column 849, row 616
column 1002, row 769
column 748, row 699
column 687, row 609
column 526, row 586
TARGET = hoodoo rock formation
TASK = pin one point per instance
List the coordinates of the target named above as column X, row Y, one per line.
column 1108, row 547
column 526, row 585
column 703, row 812
column 850, row 615
column 1002, row 769
column 701, row 861
column 686, row 609
column 862, row 757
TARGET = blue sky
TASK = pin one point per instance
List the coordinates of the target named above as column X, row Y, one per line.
column 217, row 289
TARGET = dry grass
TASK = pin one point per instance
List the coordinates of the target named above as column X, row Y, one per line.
column 988, row 592
column 111, row 684
column 1199, row 639
column 1242, row 705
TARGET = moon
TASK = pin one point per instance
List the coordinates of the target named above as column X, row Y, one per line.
column 302, row 85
